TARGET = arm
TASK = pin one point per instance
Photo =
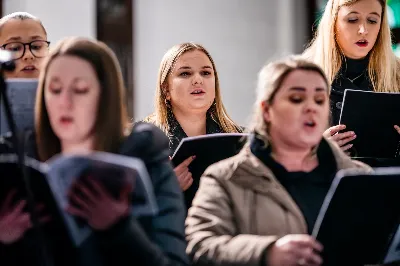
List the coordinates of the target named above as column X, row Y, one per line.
column 152, row 241
column 213, row 238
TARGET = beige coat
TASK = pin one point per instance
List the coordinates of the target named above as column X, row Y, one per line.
column 240, row 209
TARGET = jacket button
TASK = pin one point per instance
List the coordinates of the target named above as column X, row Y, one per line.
column 339, row 105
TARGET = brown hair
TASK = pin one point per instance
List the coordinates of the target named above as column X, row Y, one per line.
column 111, row 120
column 159, row 117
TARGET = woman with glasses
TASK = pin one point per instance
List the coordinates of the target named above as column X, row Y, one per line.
column 24, row 36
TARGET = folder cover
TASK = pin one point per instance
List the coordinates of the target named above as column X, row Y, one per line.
column 359, row 218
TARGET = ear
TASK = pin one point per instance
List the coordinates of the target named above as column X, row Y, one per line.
column 266, row 111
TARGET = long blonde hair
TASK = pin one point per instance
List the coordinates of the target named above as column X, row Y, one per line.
column 160, row 115
column 383, row 66
column 270, row 79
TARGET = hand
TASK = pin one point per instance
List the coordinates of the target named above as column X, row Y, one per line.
column 397, row 128
column 184, row 176
column 295, row 250
column 97, row 206
column 14, row 222
column 340, row 138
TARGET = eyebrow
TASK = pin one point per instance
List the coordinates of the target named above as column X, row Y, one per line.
column 18, row 38
column 304, row 89
column 188, row 67
column 372, row 13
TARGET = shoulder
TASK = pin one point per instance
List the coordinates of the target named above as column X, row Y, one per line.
column 343, row 161
column 147, row 141
column 228, row 169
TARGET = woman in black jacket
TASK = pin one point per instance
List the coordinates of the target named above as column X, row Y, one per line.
column 354, row 48
column 79, row 108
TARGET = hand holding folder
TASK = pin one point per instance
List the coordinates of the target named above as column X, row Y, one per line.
column 56, row 181
column 359, row 218
column 372, row 116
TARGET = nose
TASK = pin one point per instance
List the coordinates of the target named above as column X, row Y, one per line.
column 65, row 100
column 28, row 54
column 362, row 29
column 197, row 79
column 311, row 107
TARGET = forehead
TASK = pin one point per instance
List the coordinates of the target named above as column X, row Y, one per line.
column 24, row 29
column 307, row 79
column 194, row 57
column 361, row 6
column 70, row 67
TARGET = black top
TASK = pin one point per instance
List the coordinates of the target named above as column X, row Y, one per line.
column 308, row 189
column 158, row 240
column 175, row 135
column 352, row 75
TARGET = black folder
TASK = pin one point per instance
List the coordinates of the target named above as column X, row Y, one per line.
column 208, row 149
column 359, row 218
column 21, row 95
column 372, row 115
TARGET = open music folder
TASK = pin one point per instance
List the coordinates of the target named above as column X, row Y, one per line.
column 21, row 95
column 51, row 181
column 372, row 116
column 358, row 223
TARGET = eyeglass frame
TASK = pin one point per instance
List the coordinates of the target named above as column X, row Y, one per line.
column 25, row 44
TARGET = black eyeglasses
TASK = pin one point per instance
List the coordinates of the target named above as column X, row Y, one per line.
column 38, row 48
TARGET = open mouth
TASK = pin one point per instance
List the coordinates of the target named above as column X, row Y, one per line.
column 362, row 43
column 197, row 92
column 310, row 124
column 29, row 68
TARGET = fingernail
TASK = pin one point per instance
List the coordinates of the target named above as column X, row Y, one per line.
column 352, row 133
column 194, row 156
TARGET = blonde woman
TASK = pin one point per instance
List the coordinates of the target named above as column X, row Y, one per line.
column 188, row 103
column 259, row 207
column 353, row 46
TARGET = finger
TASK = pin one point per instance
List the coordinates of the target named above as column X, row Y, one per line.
column 345, row 148
column 23, row 220
column 313, row 259
column 186, row 162
column 186, row 180
column 343, row 142
column 39, row 207
column 8, row 200
column 77, row 212
column 397, row 128
column 81, row 203
column 18, row 209
column 306, row 241
column 190, row 182
column 99, row 189
column 344, row 135
column 335, row 129
column 86, row 192
column 45, row 219
column 181, row 176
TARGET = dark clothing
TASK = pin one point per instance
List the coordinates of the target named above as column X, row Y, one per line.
column 175, row 136
column 356, row 70
column 308, row 189
column 158, row 240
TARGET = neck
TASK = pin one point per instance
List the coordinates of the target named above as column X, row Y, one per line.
column 194, row 124
column 294, row 159
column 83, row 147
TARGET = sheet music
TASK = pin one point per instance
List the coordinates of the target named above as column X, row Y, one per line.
column 21, row 95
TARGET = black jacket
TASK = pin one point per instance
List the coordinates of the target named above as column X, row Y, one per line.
column 146, row 241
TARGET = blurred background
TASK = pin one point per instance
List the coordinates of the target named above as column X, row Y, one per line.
column 241, row 35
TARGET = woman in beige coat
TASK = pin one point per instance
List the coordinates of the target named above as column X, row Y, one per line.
column 259, row 207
